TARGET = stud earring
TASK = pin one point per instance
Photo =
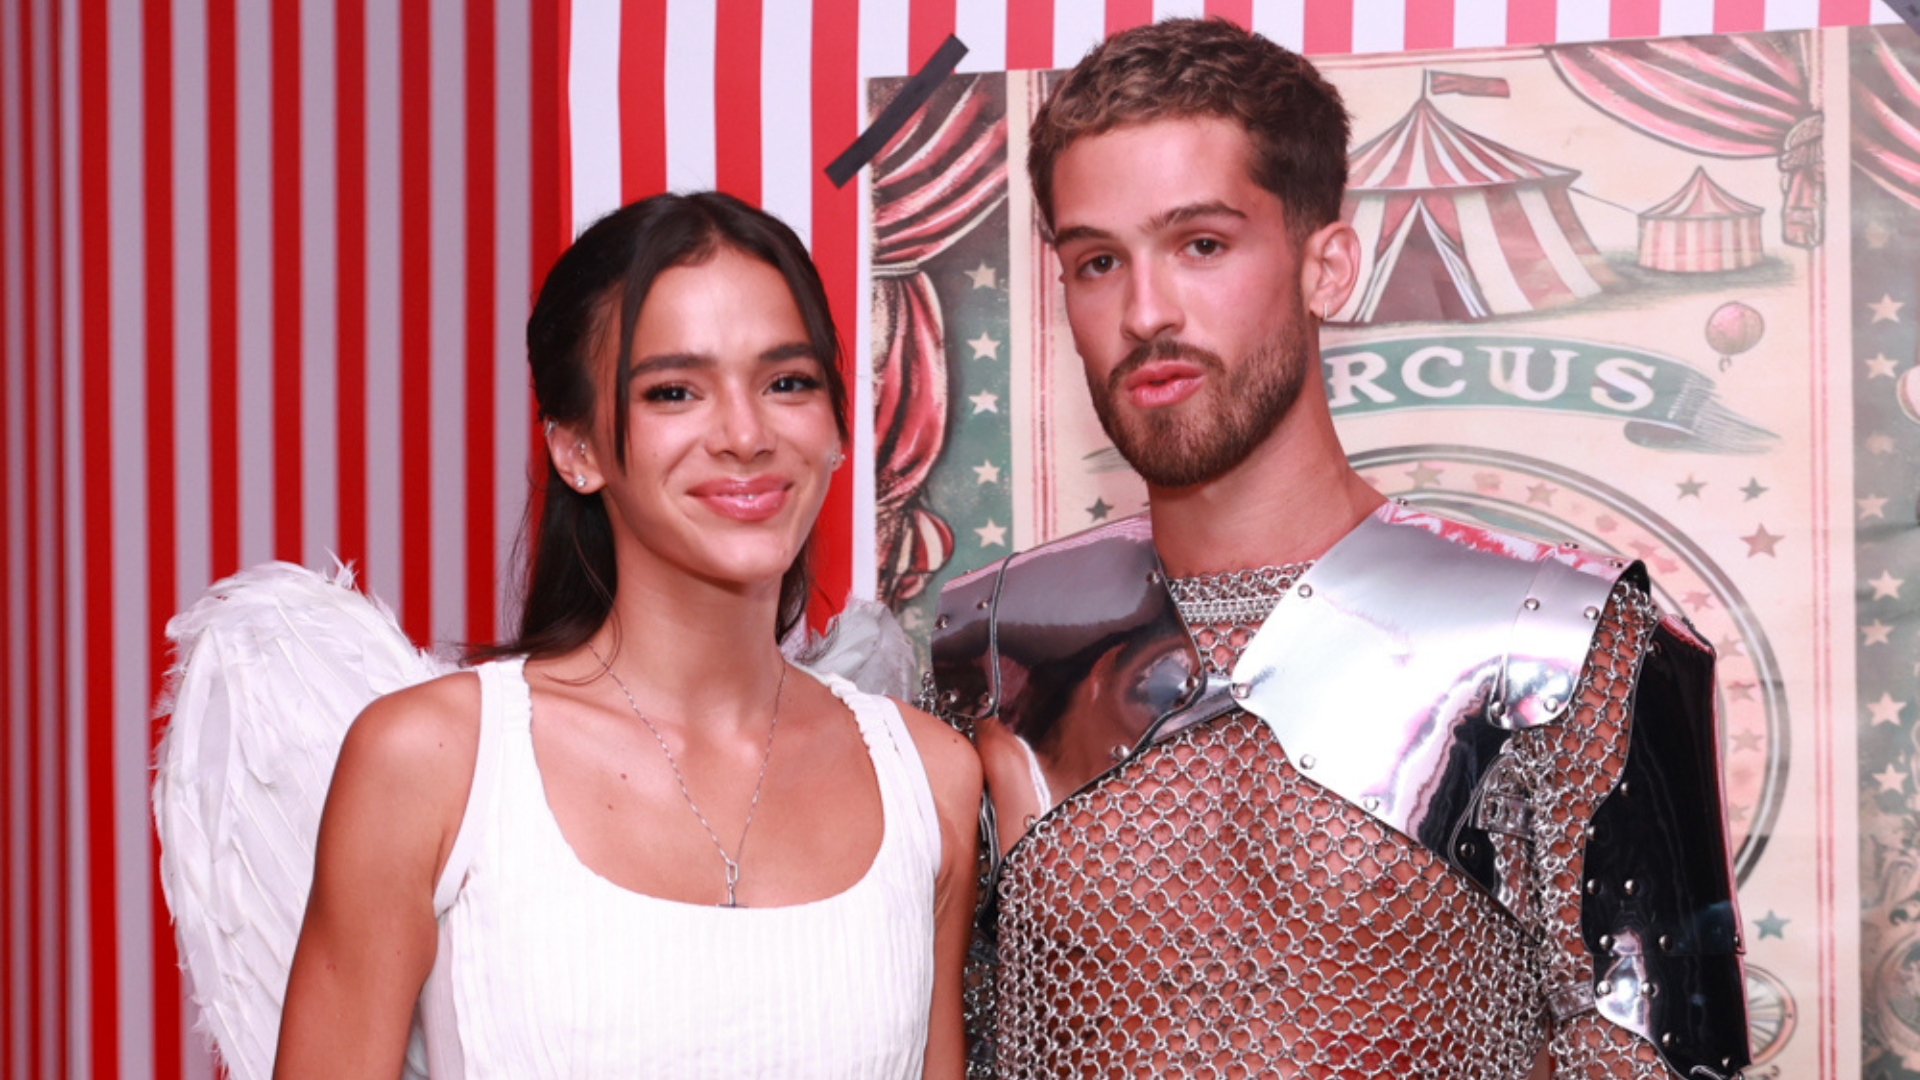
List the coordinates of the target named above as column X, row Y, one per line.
column 835, row 460
column 580, row 481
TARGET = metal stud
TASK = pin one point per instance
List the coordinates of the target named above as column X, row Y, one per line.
column 1307, row 761
column 1573, row 545
column 1591, row 613
column 1666, row 942
column 1666, row 1039
column 982, row 604
column 1240, row 690
column 1497, row 709
column 1593, row 886
column 1626, row 788
column 1400, row 500
column 1371, row 804
column 941, row 622
column 1552, row 704
column 1119, row 752
column 1630, row 887
column 1532, row 604
column 1031, row 820
column 1153, row 577
column 1606, row 942
column 950, row 698
column 1189, row 684
column 986, row 701
column 1305, row 591
column 1604, row 988
column 1649, row 989
column 1467, row 849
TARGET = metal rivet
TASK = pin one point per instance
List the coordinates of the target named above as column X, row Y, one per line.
column 1606, row 942
column 950, row 698
column 1497, row 708
column 1573, row 545
column 1648, row 989
column 1467, row 849
column 1119, row 752
column 1307, row 761
column 1188, row 684
column 1666, row 942
column 1370, row 804
column 1306, row 591
column 941, row 623
column 1590, row 832
column 1666, row 1039
column 1153, row 577
column 1626, row 788
column 1630, row 886
column 982, row 604
column 1593, row 886
column 1592, row 613
column 1532, row 604
column 1605, row 988
column 1240, row 690
column 986, row 701
column 1726, row 1063
column 1400, row 500
column 1031, row 820
column 1551, row 704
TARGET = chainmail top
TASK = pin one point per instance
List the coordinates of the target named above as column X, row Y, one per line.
column 1223, row 610
column 1207, row 911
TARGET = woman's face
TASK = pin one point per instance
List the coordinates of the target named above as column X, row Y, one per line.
column 731, row 438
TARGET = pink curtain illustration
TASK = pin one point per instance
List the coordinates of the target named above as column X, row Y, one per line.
column 1886, row 121
column 1735, row 96
column 932, row 184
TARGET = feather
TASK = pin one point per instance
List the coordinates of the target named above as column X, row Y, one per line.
column 272, row 666
column 864, row 644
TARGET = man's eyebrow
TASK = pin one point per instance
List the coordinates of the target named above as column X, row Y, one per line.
column 1181, row 214
column 1079, row 232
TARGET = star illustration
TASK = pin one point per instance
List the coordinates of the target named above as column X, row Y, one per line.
column 1690, row 487
column 1876, row 633
column 1773, row 925
column 1872, row 506
column 1486, row 481
column 1730, row 646
column 1740, row 691
column 1886, row 710
column 1540, row 494
column 1880, row 366
column 1746, row 741
column 987, row 472
column 1424, row 475
column 985, row 348
column 984, row 277
column 1738, row 811
column 1891, row 779
column 1886, row 586
column 1880, row 443
column 985, row 401
column 1697, row 600
column 1877, row 236
column 992, row 535
column 1099, row 510
column 1886, row 309
column 1753, row 490
column 1605, row 523
column 912, row 619
column 1761, row 542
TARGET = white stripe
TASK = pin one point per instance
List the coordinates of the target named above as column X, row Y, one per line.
column 1877, row 15
column 319, row 289
column 1480, row 23
column 1181, row 9
column 884, row 35
column 1481, row 243
column 1379, row 26
column 786, row 115
column 1679, row 18
column 1078, row 25
column 253, row 314
column 447, row 324
column 383, row 299
column 981, row 25
column 1554, row 241
column 1281, row 21
column 513, row 79
column 192, row 505
column 692, row 28
column 593, row 109
column 1574, row 22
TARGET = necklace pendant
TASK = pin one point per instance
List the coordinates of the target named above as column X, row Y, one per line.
column 733, row 880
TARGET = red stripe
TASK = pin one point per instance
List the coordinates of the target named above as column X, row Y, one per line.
column 1634, row 18
column 836, row 235
column 223, row 276
column 96, row 551
column 1239, row 12
column 1429, row 24
column 1029, row 35
column 11, row 934
column 350, row 305
column 482, row 212
column 287, row 274
column 1329, row 27
column 550, row 217
column 643, row 98
column 736, row 99
column 929, row 23
column 416, row 299
column 1739, row 16
column 1127, row 14
column 1532, row 22
column 1845, row 12
column 162, row 587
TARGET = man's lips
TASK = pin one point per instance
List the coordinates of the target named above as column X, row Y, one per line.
column 1160, row 383
column 754, row 498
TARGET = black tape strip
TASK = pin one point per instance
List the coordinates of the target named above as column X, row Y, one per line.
column 898, row 111
column 1908, row 10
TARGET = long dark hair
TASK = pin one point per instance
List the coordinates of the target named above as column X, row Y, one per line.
column 610, row 268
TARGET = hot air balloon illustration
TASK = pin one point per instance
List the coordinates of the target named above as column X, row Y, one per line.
column 1732, row 329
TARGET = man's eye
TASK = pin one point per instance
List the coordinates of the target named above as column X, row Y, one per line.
column 1206, row 245
column 1099, row 264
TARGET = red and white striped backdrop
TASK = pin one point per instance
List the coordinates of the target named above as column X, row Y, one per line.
column 263, row 271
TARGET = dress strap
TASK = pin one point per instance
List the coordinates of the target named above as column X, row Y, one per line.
column 504, row 703
column 896, row 758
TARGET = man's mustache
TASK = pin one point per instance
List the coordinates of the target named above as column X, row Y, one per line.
column 1163, row 349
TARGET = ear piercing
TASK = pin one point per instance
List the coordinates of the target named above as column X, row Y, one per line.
column 580, row 481
column 835, row 460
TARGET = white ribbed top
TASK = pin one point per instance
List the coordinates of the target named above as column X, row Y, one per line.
column 546, row 969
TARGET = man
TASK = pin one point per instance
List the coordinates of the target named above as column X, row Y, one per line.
column 1287, row 779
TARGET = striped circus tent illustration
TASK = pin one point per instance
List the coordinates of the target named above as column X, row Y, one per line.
column 1455, row 226
column 1700, row 229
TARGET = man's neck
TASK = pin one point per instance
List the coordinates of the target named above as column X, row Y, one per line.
column 1292, row 499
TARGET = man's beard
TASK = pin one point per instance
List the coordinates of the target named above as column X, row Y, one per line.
column 1225, row 422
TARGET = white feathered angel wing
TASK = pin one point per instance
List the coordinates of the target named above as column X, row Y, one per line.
column 864, row 645
column 273, row 665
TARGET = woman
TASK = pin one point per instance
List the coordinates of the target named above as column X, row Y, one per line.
column 637, row 842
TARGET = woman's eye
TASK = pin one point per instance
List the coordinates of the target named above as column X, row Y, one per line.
column 669, row 393
column 794, row 383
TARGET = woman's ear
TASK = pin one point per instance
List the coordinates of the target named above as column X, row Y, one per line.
column 573, row 457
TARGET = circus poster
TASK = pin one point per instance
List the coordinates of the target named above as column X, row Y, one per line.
column 1654, row 296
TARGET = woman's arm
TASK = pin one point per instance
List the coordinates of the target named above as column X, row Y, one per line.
column 368, row 939
column 954, row 771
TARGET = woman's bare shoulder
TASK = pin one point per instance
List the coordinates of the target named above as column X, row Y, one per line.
column 953, row 768
column 418, row 743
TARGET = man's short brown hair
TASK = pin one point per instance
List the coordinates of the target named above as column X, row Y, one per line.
column 1295, row 121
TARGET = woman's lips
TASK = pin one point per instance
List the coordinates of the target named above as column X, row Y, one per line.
column 752, row 499
column 1163, row 383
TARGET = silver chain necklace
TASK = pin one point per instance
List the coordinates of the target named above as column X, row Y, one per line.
column 740, row 846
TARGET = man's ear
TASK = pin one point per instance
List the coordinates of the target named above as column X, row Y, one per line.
column 573, row 457
column 1329, row 268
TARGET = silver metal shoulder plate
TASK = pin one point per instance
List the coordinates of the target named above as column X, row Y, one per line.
column 1659, row 914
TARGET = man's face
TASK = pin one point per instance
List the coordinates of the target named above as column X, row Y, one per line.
column 1183, row 291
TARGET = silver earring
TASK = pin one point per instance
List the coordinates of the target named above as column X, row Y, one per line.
column 1326, row 311
column 835, row 460
column 580, row 481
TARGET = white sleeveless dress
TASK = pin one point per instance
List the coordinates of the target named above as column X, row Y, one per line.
column 546, row 969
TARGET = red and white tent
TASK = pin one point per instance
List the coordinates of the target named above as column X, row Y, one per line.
column 1454, row 226
column 1700, row 229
